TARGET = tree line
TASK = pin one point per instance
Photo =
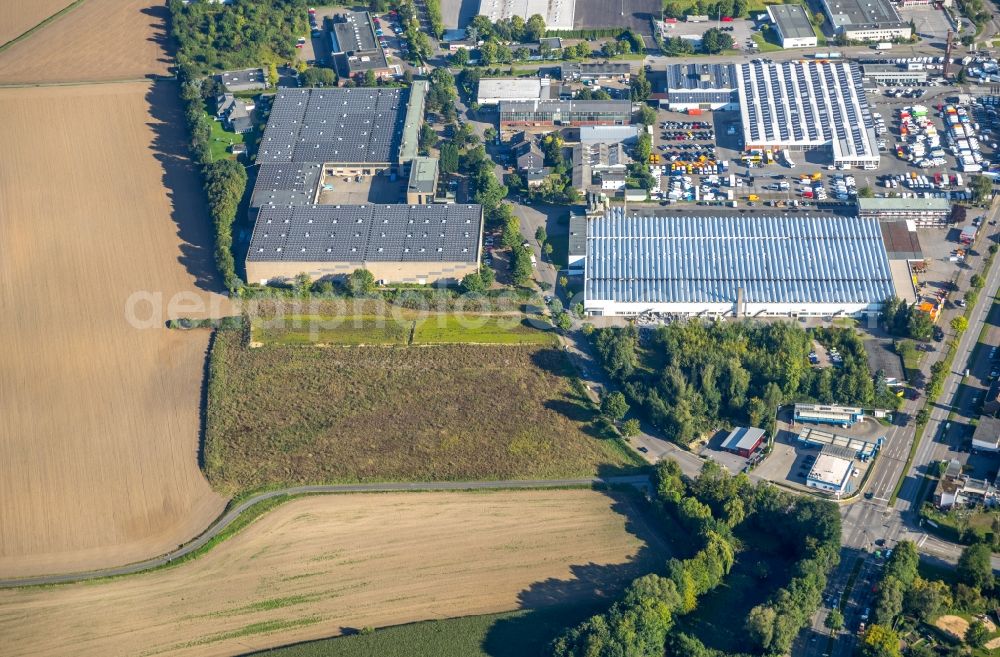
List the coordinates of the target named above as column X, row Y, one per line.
column 710, row 508
column 223, row 36
column 735, row 373
column 224, row 181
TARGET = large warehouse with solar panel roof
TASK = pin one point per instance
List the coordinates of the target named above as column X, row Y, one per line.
column 735, row 266
column 313, row 138
column 806, row 106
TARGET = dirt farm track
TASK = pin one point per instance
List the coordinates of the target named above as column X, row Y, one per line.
column 318, row 565
column 99, row 420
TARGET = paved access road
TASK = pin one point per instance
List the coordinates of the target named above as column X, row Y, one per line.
column 641, row 481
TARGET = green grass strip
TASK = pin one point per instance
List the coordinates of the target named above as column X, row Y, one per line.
column 25, row 35
column 846, row 595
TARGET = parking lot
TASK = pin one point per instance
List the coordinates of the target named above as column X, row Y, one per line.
column 790, row 461
column 355, row 190
column 931, row 24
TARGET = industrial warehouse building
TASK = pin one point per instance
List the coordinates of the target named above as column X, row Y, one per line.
column 793, row 26
column 558, row 14
column 315, row 136
column 397, row 243
column 355, row 48
column 866, row 20
column 804, row 106
column 700, row 87
column 565, row 112
column 737, row 266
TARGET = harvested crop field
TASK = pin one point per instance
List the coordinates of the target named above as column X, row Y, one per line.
column 280, row 415
column 317, row 566
column 17, row 17
column 99, row 417
column 99, row 40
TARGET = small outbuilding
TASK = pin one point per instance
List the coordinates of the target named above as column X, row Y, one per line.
column 743, row 441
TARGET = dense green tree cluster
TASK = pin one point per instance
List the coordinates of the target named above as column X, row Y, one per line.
column 215, row 36
column 442, row 94
column 734, row 8
column 714, row 41
column 906, row 321
column 731, row 372
column 642, row 622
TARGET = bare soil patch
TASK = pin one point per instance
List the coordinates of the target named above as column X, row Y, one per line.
column 99, row 419
column 98, row 41
column 17, row 17
column 954, row 625
column 320, row 566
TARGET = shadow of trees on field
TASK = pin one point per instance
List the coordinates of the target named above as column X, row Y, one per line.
column 182, row 183
column 554, row 605
column 159, row 22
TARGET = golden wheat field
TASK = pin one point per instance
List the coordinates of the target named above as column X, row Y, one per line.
column 17, row 17
column 98, row 40
column 318, row 565
column 99, row 419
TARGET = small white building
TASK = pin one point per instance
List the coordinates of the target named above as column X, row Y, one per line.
column 830, row 474
column 986, row 438
column 793, row 26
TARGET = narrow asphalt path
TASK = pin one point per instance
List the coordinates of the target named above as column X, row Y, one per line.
column 640, row 481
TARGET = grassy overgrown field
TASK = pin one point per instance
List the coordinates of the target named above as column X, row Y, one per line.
column 385, row 330
column 511, row 634
column 281, row 415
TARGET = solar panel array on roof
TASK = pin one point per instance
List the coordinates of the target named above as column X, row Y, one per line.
column 367, row 233
column 285, row 183
column 334, row 125
column 807, row 104
column 676, row 259
column 701, row 76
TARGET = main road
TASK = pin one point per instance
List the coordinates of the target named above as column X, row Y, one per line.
column 640, row 481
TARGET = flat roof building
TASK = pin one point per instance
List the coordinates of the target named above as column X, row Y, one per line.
column 595, row 71
column 922, row 211
column 577, row 246
column 700, row 86
column 828, row 414
column 802, row 106
column 743, row 266
column 986, row 437
column 558, row 14
column 793, row 26
column 892, row 74
column 608, row 134
column 422, row 184
column 565, row 112
column 250, row 79
column 831, row 474
column 355, row 47
column 493, row 90
column 866, row 20
column 396, row 243
column 743, row 441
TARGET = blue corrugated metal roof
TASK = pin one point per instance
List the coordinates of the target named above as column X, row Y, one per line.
column 677, row 259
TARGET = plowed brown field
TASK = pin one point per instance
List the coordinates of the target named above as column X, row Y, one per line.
column 316, row 566
column 99, row 40
column 99, row 419
column 19, row 16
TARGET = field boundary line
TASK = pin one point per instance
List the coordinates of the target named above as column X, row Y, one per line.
column 31, row 30
column 80, row 83
column 230, row 516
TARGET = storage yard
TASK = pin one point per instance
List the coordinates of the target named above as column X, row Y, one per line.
column 323, row 566
column 100, row 415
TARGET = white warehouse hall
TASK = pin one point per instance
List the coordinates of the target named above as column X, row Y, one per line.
column 737, row 266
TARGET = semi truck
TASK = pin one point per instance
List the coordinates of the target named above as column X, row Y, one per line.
column 884, row 45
